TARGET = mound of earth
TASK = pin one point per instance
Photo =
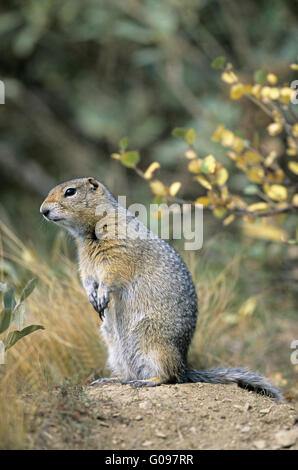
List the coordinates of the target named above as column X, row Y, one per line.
column 190, row 416
column 185, row 417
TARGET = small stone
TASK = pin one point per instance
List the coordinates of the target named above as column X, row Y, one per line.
column 245, row 429
column 238, row 407
column 247, row 406
column 160, row 434
column 265, row 411
column 105, row 425
column 138, row 418
column 260, row 444
column 145, row 405
column 147, row 443
column 286, row 438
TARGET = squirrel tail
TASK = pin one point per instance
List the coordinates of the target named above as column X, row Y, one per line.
column 243, row 377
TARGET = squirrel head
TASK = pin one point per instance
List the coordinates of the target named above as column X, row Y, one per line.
column 74, row 205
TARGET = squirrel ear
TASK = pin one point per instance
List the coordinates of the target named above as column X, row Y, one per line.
column 93, row 183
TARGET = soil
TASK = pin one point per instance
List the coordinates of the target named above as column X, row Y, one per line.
column 188, row 416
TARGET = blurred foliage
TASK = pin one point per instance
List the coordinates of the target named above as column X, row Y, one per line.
column 271, row 175
column 80, row 75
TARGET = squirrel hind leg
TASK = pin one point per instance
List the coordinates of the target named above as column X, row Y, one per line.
column 107, row 380
column 152, row 382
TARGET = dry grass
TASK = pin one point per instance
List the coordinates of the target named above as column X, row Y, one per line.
column 69, row 347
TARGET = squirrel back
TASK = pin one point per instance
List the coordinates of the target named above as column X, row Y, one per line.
column 141, row 289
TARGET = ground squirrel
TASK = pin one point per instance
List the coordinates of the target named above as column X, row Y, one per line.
column 141, row 289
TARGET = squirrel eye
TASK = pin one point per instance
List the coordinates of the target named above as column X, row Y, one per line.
column 70, row 192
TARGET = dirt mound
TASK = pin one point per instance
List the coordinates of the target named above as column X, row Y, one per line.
column 190, row 416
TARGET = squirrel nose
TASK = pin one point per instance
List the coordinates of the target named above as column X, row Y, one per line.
column 45, row 211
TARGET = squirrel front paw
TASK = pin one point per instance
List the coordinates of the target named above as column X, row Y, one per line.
column 102, row 302
column 98, row 296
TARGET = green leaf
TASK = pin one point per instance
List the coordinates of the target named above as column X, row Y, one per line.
column 9, row 300
column 18, row 316
column 5, row 319
column 123, row 143
column 130, row 159
column 190, row 136
column 219, row 62
column 260, row 76
column 292, row 241
column 15, row 336
column 28, row 289
column 251, row 189
column 179, row 132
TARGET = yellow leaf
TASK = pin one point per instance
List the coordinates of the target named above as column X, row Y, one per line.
column 292, row 152
column 224, row 193
column 294, row 66
column 265, row 92
column 256, row 90
column 203, row 182
column 251, row 157
column 174, row 188
column 270, row 158
column 248, row 307
column 217, row 133
column 286, row 94
column 274, row 128
column 194, row 166
column 295, row 200
column 271, row 78
column 295, row 130
column 228, row 220
column 258, row 206
column 238, row 144
column 222, row 176
column 232, row 155
column 203, row 200
column 236, row 91
column 209, row 164
column 240, row 163
column 255, row 174
column 190, row 154
column 219, row 212
column 237, row 201
column 276, row 192
column 227, row 138
column 293, row 166
column 229, row 77
column 248, row 89
column 116, row 156
column 150, row 170
column 158, row 188
column 274, row 93
column 267, row 232
column 190, row 136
